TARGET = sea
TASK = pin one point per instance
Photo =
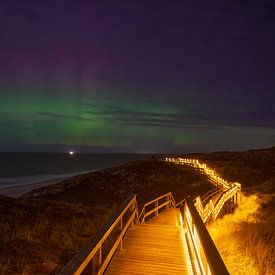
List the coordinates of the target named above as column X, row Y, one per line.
column 18, row 169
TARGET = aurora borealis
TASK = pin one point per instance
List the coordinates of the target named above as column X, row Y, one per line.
column 136, row 76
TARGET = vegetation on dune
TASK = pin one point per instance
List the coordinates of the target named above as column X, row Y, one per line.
column 146, row 178
column 38, row 236
column 42, row 230
column 246, row 238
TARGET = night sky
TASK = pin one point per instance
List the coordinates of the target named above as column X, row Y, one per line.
column 137, row 76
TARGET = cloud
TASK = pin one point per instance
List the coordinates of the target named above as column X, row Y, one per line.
column 186, row 109
column 150, row 119
column 62, row 116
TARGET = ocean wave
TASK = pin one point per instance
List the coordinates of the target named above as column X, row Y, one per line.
column 25, row 180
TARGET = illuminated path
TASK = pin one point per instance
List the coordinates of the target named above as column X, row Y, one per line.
column 156, row 247
column 165, row 237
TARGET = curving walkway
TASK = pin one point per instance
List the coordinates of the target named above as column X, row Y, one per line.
column 163, row 244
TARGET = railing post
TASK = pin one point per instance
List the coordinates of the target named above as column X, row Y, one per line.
column 232, row 204
column 136, row 210
column 168, row 199
column 100, row 256
column 171, row 200
column 156, row 206
column 96, row 261
column 141, row 217
column 132, row 210
column 227, row 206
column 121, row 227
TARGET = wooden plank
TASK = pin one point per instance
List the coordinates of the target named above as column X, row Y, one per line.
column 156, row 247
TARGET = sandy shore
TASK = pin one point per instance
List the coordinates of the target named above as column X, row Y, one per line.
column 16, row 191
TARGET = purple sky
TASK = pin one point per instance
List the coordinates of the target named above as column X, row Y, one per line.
column 137, row 76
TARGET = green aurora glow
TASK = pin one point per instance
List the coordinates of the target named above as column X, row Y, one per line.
column 128, row 124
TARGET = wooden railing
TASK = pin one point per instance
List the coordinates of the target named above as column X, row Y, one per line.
column 96, row 255
column 226, row 196
column 205, row 205
column 153, row 207
column 92, row 258
column 212, row 209
column 203, row 253
column 207, row 196
column 206, row 258
column 202, row 168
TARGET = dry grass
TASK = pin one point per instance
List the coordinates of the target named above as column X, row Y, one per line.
column 39, row 236
column 42, row 230
column 246, row 239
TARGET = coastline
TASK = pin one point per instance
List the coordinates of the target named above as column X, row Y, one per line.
column 24, row 172
column 19, row 190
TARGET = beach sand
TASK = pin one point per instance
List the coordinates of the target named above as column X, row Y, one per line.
column 16, row 191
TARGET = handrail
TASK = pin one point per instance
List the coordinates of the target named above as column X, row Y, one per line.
column 180, row 203
column 156, row 199
column 200, row 244
column 213, row 209
column 169, row 202
column 224, row 197
column 210, row 194
column 92, row 252
column 214, row 179
column 207, row 208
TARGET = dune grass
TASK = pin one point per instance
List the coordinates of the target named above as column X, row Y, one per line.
column 39, row 236
column 42, row 230
column 246, row 239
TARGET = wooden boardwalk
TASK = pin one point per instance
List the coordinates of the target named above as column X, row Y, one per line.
column 155, row 247
column 127, row 245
